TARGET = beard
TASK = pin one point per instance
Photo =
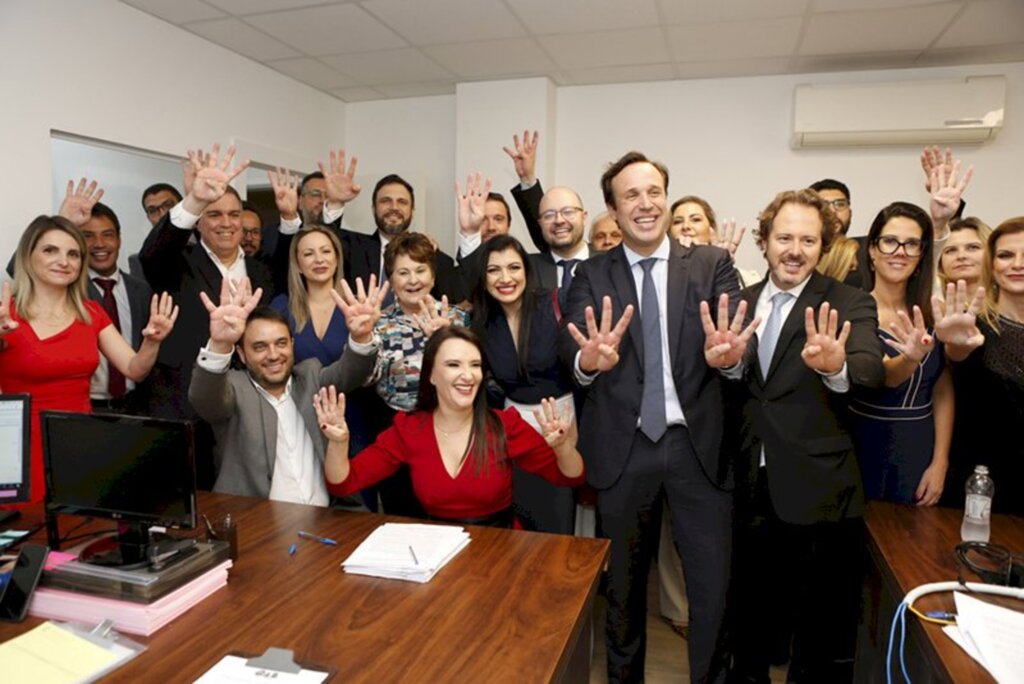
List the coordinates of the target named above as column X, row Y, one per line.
column 391, row 229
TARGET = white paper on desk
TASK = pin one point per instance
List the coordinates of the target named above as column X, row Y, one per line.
column 996, row 632
column 234, row 670
column 413, row 552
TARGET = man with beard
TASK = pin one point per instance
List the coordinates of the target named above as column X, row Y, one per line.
column 268, row 442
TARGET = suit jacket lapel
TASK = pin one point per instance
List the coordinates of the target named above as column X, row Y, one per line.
column 678, row 283
column 811, row 296
column 625, row 288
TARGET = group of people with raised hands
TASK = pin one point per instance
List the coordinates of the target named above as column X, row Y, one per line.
column 739, row 414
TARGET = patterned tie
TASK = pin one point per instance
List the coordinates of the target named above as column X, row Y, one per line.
column 652, row 407
column 766, row 342
column 115, row 381
column 568, row 266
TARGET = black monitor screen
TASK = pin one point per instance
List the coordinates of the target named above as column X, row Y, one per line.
column 121, row 467
column 15, row 450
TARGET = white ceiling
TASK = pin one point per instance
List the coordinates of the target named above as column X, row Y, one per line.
column 380, row 49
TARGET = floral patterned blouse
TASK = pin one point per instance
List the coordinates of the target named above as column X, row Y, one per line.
column 397, row 374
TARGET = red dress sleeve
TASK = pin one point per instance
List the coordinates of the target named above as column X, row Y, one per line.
column 530, row 450
column 100, row 319
column 376, row 462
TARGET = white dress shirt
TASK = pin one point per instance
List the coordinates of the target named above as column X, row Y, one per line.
column 183, row 219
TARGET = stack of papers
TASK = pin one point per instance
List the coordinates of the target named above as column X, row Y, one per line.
column 992, row 635
column 407, row 552
column 128, row 616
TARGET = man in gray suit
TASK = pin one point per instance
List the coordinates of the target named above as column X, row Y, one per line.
column 268, row 441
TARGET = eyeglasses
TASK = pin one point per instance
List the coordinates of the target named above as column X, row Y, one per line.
column 838, row 203
column 315, row 194
column 568, row 213
column 155, row 209
column 251, row 232
column 887, row 244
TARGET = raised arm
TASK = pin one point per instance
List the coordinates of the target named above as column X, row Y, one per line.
column 529, row 192
column 380, row 460
column 78, row 202
column 340, row 180
column 136, row 365
column 956, row 323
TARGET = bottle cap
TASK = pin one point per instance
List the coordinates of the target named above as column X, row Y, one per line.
column 981, row 470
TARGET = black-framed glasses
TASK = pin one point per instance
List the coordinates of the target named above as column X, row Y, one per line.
column 838, row 203
column 887, row 244
column 315, row 194
column 568, row 213
column 155, row 209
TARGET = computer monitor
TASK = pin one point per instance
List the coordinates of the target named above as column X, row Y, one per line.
column 138, row 471
column 15, row 449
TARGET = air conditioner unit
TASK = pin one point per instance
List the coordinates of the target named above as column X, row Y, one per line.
column 906, row 113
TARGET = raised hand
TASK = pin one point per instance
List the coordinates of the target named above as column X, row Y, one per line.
column 728, row 237
column 341, row 183
column 825, row 350
column 956, row 318
column 212, row 174
column 227, row 320
column 78, row 203
column 472, row 203
column 7, row 324
column 188, row 170
column 524, row 156
column 329, row 406
column 430, row 320
column 286, row 195
column 599, row 348
column 947, row 187
column 932, row 157
column 163, row 312
column 912, row 338
column 557, row 427
column 725, row 345
column 361, row 308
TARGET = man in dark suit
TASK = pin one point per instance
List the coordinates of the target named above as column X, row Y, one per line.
column 652, row 421
column 213, row 210
column 800, row 498
column 126, row 300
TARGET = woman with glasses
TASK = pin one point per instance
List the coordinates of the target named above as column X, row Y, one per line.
column 902, row 431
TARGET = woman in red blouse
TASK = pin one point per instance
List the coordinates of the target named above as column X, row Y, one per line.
column 458, row 450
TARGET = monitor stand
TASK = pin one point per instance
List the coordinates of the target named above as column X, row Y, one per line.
column 128, row 550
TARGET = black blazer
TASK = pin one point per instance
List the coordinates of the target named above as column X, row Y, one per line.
column 608, row 422
column 804, row 426
column 528, row 202
column 139, row 297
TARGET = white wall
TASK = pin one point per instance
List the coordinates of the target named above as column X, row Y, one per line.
column 104, row 70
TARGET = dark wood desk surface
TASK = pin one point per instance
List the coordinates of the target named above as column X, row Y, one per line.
column 510, row 607
column 911, row 546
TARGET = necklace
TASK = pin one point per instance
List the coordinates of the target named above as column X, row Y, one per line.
column 456, row 431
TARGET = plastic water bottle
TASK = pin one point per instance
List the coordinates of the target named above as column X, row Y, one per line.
column 978, row 506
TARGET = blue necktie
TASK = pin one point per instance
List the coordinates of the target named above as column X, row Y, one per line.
column 652, row 407
column 767, row 341
column 568, row 265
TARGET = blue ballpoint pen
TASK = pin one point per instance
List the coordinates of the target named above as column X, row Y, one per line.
column 292, row 548
column 316, row 537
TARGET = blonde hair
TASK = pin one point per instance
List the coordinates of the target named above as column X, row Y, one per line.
column 298, row 295
column 990, row 313
column 23, row 290
column 840, row 259
column 970, row 223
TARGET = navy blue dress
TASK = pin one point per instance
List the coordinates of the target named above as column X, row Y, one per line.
column 894, row 430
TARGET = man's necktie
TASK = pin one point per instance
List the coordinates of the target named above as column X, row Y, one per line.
column 652, row 407
column 568, row 265
column 115, row 381
column 766, row 342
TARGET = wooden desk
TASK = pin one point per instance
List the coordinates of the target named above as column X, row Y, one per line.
column 513, row 606
column 908, row 547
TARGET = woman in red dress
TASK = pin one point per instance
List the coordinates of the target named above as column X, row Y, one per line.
column 458, row 450
column 51, row 335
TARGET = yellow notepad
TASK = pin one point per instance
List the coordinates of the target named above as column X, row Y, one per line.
column 51, row 655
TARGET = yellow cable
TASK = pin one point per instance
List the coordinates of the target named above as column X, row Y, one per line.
column 926, row 618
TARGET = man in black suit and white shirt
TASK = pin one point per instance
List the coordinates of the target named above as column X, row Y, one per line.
column 799, row 493
column 652, row 421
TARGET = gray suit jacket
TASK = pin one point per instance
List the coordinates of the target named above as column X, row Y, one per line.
column 245, row 424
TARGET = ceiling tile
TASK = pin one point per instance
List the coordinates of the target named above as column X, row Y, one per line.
column 716, row 11
column 418, row 89
column 876, row 30
column 446, row 21
column 361, row 94
column 241, row 38
column 623, row 74
column 330, row 30
column 853, row 5
column 313, row 72
column 861, row 62
column 389, row 67
column 179, row 12
column 735, row 40
column 543, row 17
column 607, row 48
column 982, row 54
column 986, row 22
column 728, row 68
column 245, row 7
column 507, row 58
